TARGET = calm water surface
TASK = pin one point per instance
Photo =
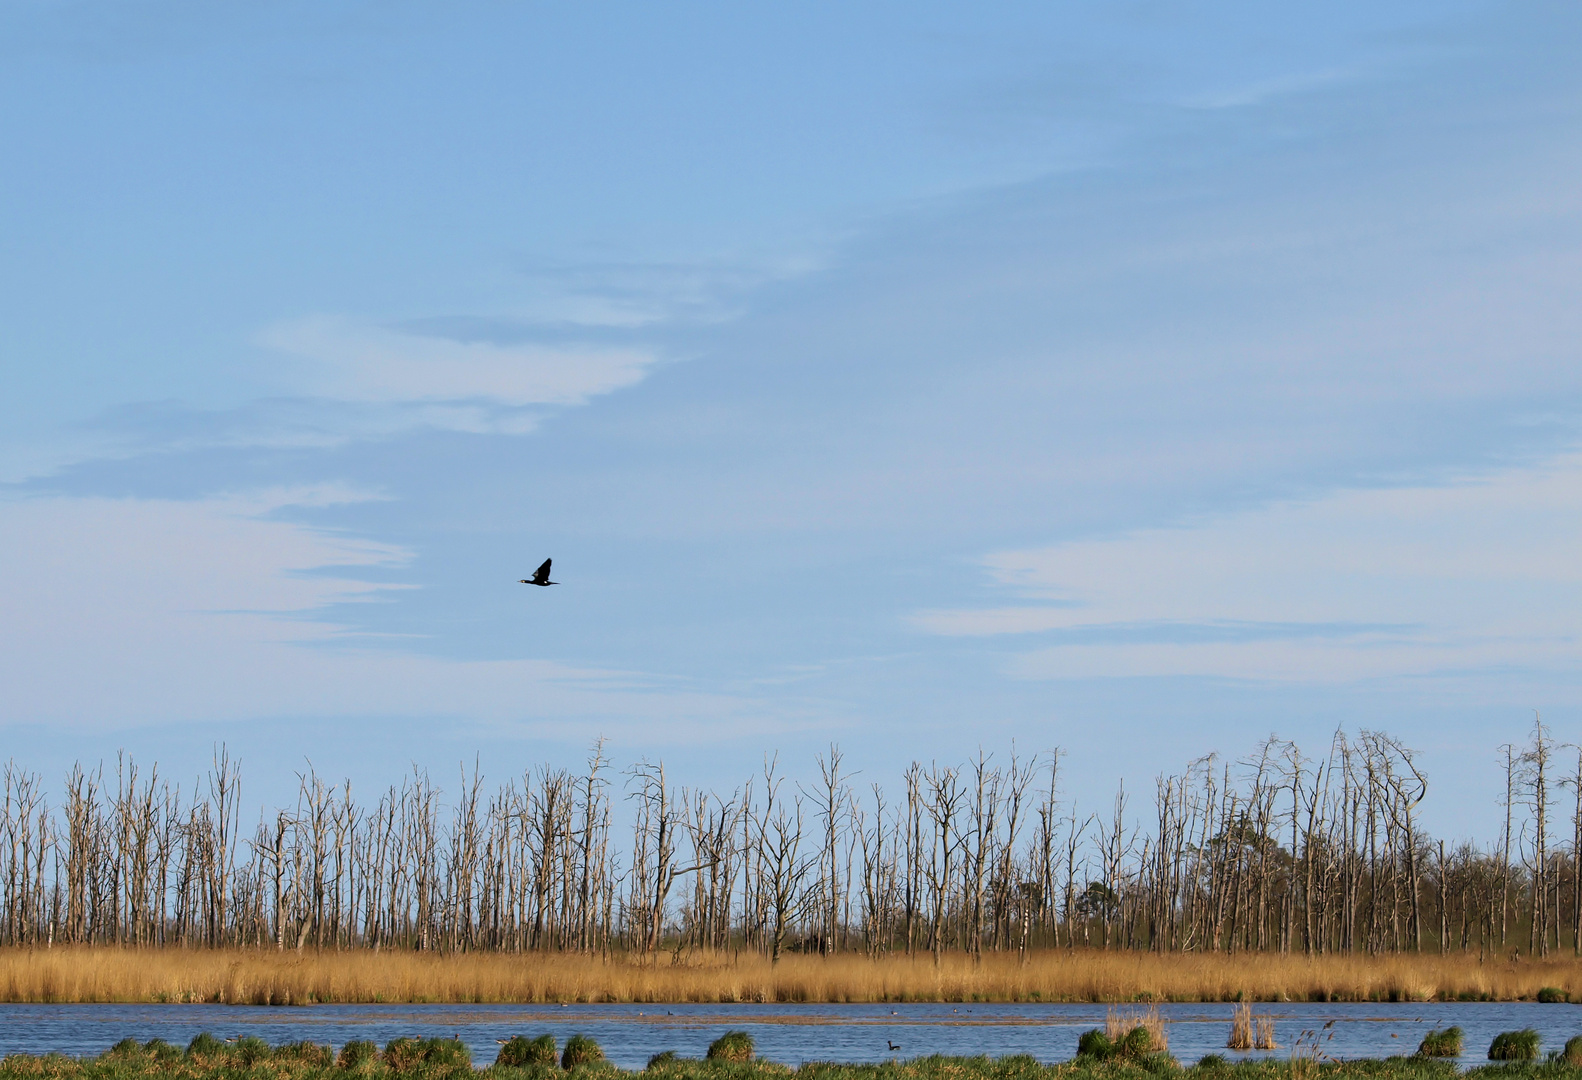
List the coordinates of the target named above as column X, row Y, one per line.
column 792, row 1034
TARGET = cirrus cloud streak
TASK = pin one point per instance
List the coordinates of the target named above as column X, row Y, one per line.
column 1442, row 581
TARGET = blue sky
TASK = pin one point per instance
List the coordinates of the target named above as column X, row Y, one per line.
column 1140, row 379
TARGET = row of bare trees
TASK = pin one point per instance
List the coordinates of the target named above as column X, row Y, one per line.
column 1276, row 851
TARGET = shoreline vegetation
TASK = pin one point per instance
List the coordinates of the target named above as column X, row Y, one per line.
column 83, row 974
column 971, row 879
column 730, row 1057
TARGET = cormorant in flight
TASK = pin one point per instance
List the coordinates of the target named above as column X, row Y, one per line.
column 540, row 576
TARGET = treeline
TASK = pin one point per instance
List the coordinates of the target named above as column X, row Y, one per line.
column 1277, row 851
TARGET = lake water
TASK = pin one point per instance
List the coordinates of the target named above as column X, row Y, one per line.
column 791, row 1034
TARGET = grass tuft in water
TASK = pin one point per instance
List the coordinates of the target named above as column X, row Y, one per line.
column 1514, row 1046
column 520, row 1051
column 1445, row 1043
column 731, row 1046
column 580, row 1050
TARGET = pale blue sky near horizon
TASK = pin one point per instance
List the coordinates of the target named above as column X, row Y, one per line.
column 1141, row 379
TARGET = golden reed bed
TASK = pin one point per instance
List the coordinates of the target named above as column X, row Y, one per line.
column 85, row 974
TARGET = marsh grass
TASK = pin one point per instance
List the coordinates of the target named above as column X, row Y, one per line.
column 1240, row 1027
column 580, row 1050
column 309, row 1053
column 1120, row 1022
column 204, row 1045
column 269, row 977
column 1441, row 1043
column 1249, row 1032
column 731, row 1046
column 1134, row 1046
column 1514, row 1046
column 357, row 1054
column 140, row 1062
column 519, row 1051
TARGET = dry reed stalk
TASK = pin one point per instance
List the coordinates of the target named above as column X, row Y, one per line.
column 108, row 973
column 1240, row 1028
column 1119, row 1022
column 1263, row 1033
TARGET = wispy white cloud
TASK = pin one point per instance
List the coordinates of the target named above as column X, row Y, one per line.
column 1472, row 577
column 361, row 362
column 127, row 612
column 1259, row 91
column 87, row 569
column 631, row 294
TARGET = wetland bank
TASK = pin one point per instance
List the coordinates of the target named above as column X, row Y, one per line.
column 1111, row 1052
column 1281, row 876
column 66, row 974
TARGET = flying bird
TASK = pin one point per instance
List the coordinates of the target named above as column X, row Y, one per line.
column 540, row 576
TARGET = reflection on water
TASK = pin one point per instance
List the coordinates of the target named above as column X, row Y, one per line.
column 792, row 1034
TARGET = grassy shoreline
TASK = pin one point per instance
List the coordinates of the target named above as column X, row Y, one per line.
column 305, row 1061
column 266, row 977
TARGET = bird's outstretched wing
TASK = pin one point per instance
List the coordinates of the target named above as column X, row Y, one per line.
column 542, row 573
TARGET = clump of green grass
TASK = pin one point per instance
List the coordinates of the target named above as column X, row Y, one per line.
column 447, row 1053
column 580, row 1050
column 126, row 1048
column 1553, row 995
column 308, row 1053
column 250, row 1051
column 731, row 1046
column 1514, row 1046
column 662, row 1059
column 402, row 1054
column 521, row 1051
column 204, row 1045
column 1441, row 1043
column 160, row 1050
column 407, row 1054
column 1571, row 1055
column 357, row 1054
column 1136, row 1046
column 1095, row 1044
column 1210, row 1062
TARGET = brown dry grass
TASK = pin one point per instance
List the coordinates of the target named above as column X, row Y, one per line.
column 1119, row 1022
column 268, row 977
column 1240, row 1028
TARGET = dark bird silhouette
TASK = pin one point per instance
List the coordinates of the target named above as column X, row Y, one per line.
column 540, row 576
column 891, row 1045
